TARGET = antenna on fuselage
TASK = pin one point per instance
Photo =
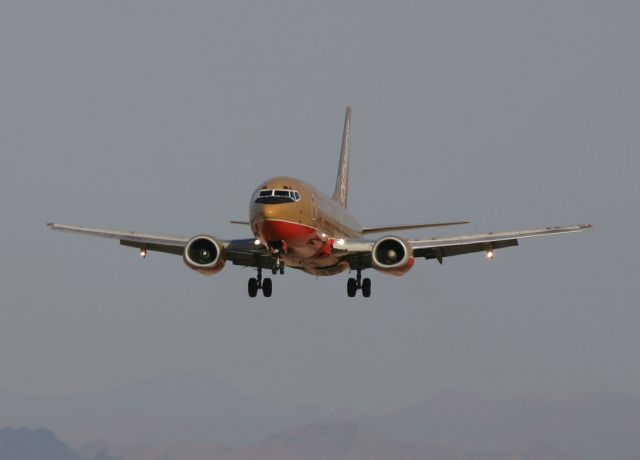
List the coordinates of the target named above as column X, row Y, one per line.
column 342, row 182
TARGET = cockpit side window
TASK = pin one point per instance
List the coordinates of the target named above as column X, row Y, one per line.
column 277, row 196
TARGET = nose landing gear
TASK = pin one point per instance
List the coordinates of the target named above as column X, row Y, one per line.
column 279, row 268
column 353, row 284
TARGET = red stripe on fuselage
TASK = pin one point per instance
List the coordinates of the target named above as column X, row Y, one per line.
column 292, row 233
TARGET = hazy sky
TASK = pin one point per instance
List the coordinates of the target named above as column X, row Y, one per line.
column 163, row 116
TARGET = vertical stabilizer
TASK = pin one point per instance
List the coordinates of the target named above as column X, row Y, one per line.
column 342, row 182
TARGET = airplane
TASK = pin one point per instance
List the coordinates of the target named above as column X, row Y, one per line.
column 297, row 226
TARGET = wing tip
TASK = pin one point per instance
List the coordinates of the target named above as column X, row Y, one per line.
column 571, row 228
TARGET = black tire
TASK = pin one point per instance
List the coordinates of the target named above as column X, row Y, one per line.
column 267, row 287
column 282, row 269
column 252, row 287
column 366, row 287
column 352, row 287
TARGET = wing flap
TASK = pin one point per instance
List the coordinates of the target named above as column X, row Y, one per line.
column 167, row 249
column 448, row 251
column 245, row 253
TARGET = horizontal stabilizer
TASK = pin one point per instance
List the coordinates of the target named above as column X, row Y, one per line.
column 393, row 228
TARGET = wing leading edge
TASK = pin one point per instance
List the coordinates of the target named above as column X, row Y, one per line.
column 394, row 228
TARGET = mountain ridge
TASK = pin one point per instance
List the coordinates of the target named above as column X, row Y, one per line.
column 38, row 444
column 195, row 409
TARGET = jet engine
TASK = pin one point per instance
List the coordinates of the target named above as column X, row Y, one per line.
column 204, row 254
column 392, row 255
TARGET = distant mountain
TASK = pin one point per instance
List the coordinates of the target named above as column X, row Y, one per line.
column 41, row 444
column 353, row 441
column 192, row 407
column 595, row 427
column 330, row 441
column 195, row 417
column 177, row 451
column 316, row 441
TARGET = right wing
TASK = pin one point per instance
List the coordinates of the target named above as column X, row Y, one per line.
column 161, row 243
column 240, row 252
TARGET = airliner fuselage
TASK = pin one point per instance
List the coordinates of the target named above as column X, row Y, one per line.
column 301, row 225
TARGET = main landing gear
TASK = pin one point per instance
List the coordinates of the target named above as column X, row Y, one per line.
column 256, row 284
column 353, row 284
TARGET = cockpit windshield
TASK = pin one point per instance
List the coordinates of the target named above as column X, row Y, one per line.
column 277, row 196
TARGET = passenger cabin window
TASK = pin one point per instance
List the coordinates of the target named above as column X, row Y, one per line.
column 277, row 196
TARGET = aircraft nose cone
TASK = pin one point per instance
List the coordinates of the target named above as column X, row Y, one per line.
column 266, row 212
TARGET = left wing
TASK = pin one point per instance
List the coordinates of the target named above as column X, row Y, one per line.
column 395, row 228
column 439, row 247
column 358, row 252
column 240, row 252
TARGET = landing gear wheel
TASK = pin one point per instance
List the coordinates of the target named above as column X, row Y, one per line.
column 267, row 287
column 282, row 269
column 352, row 287
column 366, row 287
column 252, row 287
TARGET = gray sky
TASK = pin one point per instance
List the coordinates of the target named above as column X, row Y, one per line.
column 163, row 116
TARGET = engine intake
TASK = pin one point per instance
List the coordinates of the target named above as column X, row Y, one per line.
column 204, row 254
column 392, row 255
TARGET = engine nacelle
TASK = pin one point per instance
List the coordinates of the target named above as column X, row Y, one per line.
column 204, row 254
column 392, row 255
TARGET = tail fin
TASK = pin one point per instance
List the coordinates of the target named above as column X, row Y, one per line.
column 342, row 182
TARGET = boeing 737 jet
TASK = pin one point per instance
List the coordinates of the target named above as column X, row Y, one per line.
column 295, row 225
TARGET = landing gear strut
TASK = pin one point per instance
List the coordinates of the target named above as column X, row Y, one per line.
column 353, row 284
column 256, row 284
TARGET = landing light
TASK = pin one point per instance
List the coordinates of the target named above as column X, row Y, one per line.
column 490, row 254
column 143, row 252
column 257, row 242
column 340, row 242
